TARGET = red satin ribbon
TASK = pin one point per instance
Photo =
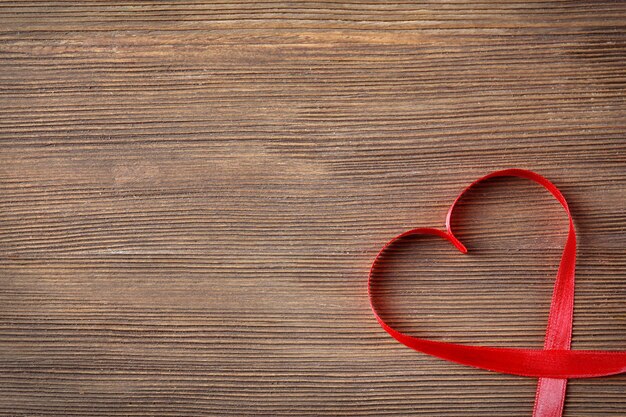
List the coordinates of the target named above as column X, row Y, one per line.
column 553, row 364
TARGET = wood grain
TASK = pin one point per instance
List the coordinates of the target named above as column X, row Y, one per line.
column 192, row 193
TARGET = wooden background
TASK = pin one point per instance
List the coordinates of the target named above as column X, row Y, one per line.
column 192, row 193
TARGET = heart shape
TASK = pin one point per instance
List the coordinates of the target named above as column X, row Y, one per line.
column 553, row 364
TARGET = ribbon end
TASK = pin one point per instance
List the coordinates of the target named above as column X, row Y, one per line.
column 457, row 243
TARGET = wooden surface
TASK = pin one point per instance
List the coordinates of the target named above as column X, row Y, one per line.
column 192, row 193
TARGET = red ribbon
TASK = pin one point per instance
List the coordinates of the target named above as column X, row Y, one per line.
column 553, row 364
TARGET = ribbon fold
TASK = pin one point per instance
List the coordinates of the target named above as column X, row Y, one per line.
column 553, row 364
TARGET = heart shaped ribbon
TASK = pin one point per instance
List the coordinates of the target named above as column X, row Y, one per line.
column 553, row 364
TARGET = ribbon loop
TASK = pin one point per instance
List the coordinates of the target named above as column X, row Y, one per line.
column 554, row 364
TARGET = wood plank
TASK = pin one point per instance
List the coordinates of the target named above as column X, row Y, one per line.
column 192, row 193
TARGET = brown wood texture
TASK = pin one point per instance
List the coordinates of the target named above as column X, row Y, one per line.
column 192, row 193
